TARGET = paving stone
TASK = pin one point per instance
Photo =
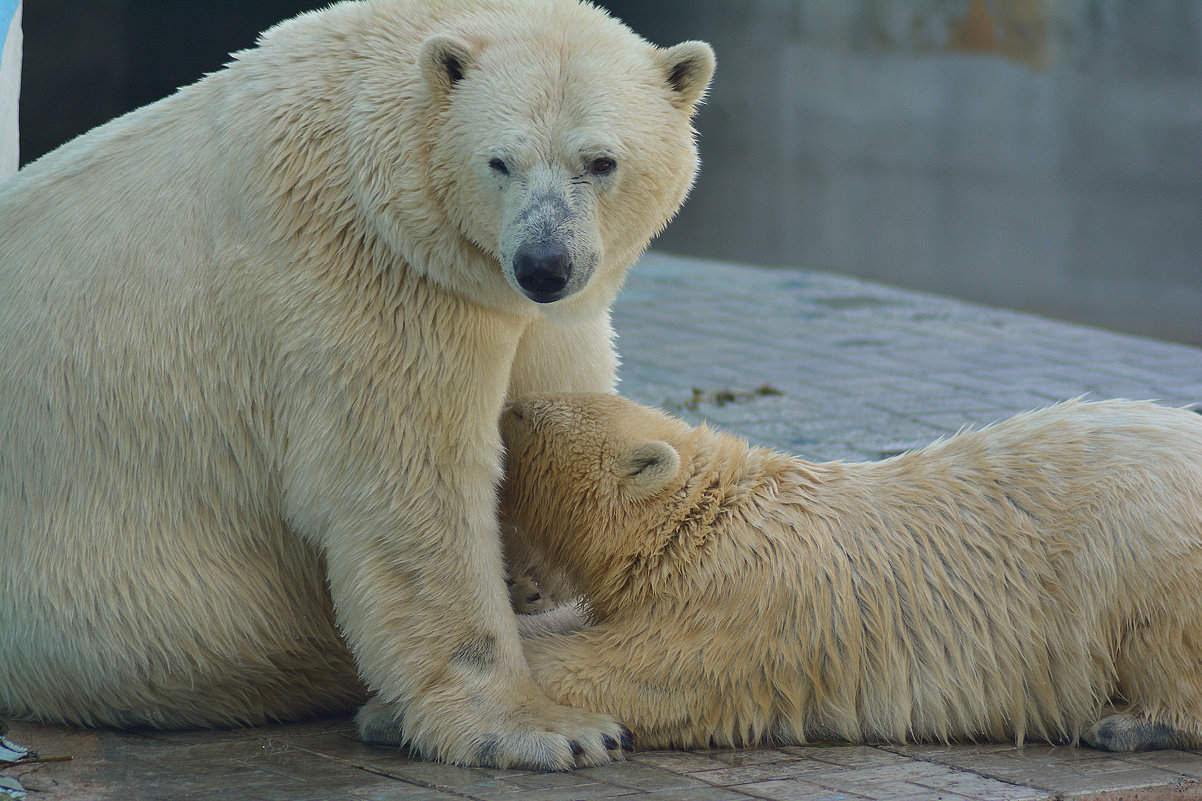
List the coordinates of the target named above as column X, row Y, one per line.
column 579, row 791
column 895, row 791
column 1178, row 791
column 1069, row 784
column 924, row 772
column 679, row 761
column 398, row 791
column 849, row 756
column 683, row 761
column 796, row 791
column 434, row 774
column 640, row 777
column 1185, row 763
column 692, row 794
column 548, row 781
column 745, row 774
column 344, row 747
column 970, row 785
column 737, row 757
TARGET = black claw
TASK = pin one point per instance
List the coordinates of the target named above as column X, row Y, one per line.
column 627, row 739
column 577, row 748
column 610, row 743
column 532, row 598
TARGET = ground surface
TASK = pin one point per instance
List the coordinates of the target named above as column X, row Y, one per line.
column 823, row 366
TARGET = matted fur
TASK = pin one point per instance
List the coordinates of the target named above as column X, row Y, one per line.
column 1008, row 583
column 254, row 342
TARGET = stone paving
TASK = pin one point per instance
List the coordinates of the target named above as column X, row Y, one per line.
column 824, row 366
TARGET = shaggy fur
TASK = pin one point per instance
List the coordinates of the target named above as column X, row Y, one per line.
column 1013, row 582
column 254, row 342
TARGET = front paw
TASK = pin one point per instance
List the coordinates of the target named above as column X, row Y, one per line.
column 535, row 735
column 525, row 596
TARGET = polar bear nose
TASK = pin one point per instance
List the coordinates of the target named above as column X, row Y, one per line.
column 542, row 272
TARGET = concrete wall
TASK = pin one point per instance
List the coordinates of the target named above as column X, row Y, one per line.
column 10, row 84
column 1044, row 155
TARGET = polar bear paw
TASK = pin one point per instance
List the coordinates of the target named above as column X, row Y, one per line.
column 525, row 596
column 561, row 738
column 1130, row 733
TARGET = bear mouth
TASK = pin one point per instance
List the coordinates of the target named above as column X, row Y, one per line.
column 539, row 296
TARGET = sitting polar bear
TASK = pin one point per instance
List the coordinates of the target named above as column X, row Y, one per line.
column 1041, row 577
column 254, row 342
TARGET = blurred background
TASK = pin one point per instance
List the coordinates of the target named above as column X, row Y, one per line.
column 1043, row 155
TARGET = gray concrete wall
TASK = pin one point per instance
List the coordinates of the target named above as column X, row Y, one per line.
column 1039, row 154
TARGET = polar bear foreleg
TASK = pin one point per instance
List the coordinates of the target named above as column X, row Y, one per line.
column 446, row 668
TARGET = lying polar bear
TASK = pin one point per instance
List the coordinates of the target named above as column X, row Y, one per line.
column 1039, row 578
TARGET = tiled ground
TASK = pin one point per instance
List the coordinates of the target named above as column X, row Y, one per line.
column 853, row 371
column 323, row 762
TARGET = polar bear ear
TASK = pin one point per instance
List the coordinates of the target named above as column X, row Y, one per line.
column 689, row 66
column 646, row 468
column 444, row 61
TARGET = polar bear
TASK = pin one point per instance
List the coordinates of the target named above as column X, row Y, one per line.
column 1041, row 578
column 255, row 339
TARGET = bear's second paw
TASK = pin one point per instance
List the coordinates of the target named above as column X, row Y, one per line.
column 559, row 738
column 525, row 596
column 1130, row 733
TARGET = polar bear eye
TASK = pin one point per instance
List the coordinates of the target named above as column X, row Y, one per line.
column 498, row 166
column 602, row 166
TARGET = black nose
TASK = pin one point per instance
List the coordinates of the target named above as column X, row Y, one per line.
column 542, row 272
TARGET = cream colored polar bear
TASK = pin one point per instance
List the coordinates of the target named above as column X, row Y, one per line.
column 254, row 342
column 1005, row 583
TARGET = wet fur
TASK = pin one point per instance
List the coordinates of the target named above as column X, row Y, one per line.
column 1039, row 578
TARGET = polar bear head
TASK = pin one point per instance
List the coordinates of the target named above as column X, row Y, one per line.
column 521, row 153
column 625, row 499
column 591, row 478
column 564, row 142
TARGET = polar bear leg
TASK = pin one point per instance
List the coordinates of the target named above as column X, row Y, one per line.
column 447, row 667
column 1159, row 679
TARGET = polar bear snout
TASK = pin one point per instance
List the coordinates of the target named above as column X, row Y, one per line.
column 543, row 271
column 550, row 242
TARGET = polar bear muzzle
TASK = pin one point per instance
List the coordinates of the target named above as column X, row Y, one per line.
column 542, row 271
column 550, row 240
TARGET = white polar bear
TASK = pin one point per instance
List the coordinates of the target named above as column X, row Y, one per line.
column 254, row 342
